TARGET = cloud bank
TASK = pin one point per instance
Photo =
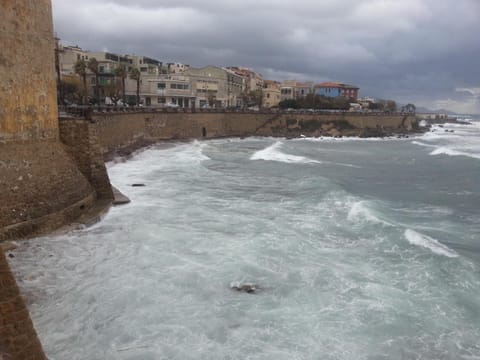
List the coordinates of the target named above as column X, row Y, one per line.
column 418, row 51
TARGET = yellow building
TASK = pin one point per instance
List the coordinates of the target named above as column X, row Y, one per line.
column 271, row 93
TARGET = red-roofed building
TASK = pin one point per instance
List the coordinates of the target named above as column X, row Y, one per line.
column 335, row 89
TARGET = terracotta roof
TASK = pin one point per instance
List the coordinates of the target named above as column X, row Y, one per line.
column 336, row 85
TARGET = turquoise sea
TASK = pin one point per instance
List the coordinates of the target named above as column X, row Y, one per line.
column 360, row 249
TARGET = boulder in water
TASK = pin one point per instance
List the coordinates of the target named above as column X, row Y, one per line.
column 247, row 288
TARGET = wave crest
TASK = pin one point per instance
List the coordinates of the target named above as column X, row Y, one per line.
column 359, row 212
column 451, row 152
column 415, row 238
column 273, row 153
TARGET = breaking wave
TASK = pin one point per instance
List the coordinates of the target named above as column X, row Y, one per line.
column 273, row 153
column 415, row 238
column 451, row 152
column 463, row 141
column 359, row 212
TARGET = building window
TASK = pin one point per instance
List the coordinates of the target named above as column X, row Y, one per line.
column 161, row 100
column 143, row 69
column 161, row 85
column 179, row 86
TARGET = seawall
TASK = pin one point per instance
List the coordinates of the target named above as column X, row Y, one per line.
column 117, row 131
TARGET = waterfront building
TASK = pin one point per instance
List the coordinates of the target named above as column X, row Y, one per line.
column 253, row 81
column 67, row 57
column 287, row 90
column 302, row 89
column 176, row 68
column 366, row 102
column 163, row 90
column 292, row 89
column 146, row 65
column 432, row 116
column 271, row 93
column 215, row 87
column 107, row 82
column 207, row 87
column 336, row 89
column 235, row 88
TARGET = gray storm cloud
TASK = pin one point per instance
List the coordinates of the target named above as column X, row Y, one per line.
column 411, row 50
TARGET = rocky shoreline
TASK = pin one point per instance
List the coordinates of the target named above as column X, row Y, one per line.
column 343, row 129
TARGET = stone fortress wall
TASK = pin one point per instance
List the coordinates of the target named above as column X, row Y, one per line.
column 41, row 187
column 39, row 181
column 28, row 101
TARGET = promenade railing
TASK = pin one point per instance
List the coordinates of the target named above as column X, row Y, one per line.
column 87, row 111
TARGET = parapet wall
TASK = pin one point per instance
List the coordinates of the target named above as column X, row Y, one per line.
column 116, row 131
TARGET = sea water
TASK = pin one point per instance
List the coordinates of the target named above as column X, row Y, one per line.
column 359, row 249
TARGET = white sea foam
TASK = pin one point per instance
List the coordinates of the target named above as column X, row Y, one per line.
column 153, row 279
column 422, row 144
column 345, row 139
column 273, row 153
column 418, row 239
column 452, row 152
column 359, row 212
column 193, row 152
column 461, row 143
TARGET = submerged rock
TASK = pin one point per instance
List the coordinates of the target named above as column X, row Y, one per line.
column 247, row 288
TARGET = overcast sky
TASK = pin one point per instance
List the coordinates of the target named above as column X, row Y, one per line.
column 421, row 51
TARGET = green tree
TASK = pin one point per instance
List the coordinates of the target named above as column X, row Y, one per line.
column 80, row 69
column 94, row 67
column 409, row 108
column 391, row 106
column 72, row 90
column 288, row 104
column 310, row 101
column 340, row 103
column 377, row 106
column 112, row 89
column 122, row 72
column 135, row 74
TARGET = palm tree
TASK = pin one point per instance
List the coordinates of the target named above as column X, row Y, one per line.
column 93, row 66
column 136, row 75
column 121, row 72
column 80, row 68
column 409, row 108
